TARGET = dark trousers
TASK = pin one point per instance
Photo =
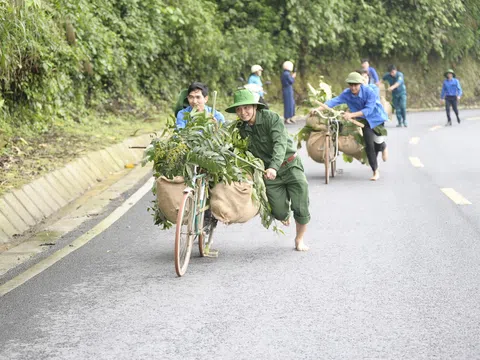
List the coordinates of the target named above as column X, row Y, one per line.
column 371, row 147
column 451, row 101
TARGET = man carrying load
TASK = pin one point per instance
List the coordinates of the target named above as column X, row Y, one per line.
column 285, row 180
column 365, row 106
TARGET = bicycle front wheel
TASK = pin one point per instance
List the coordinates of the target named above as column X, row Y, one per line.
column 184, row 233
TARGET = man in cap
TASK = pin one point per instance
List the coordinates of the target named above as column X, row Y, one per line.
column 451, row 93
column 399, row 93
column 364, row 106
column 197, row 98
column 285, row 180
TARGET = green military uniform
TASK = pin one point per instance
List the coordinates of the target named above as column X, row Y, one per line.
column 269, row 141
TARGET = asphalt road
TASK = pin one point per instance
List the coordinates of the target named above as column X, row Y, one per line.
column 392, row 273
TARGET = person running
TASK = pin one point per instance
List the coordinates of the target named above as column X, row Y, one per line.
column 285, row 180
column 197, row 98
column 451, row 93
column 399, row 94
column 365, row 107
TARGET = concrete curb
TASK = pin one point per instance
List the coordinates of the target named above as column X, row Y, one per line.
column 23, row 209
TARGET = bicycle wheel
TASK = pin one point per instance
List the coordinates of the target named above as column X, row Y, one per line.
column 184, row 233
column 326, row 154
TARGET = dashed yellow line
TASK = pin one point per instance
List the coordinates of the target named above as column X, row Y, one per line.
column 436, row 127
column 415, row 161
column 79, row 242
column 455, row 196
column 414, row 140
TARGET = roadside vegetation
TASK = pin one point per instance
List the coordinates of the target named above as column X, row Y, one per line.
column 78, row 75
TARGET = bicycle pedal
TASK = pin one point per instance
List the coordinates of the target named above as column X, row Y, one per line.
column 212, row 253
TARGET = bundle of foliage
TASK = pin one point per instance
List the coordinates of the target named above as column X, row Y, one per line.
column 218, row 150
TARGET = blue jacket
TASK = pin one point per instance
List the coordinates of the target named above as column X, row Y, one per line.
column 398, row 78
column 181, row 122
column 255, row 79
column 372, row 73
column 366, row 101
column 451, row 88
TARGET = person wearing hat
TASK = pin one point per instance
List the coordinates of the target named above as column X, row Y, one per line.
column 285, row 180
column 197, row 98
column 287, row 79
column 451, row 93
column 255, row 82
column 399, row 93
column 364, row 106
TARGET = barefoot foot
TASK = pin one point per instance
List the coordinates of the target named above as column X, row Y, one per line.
column 375, row 176
column 300, row 245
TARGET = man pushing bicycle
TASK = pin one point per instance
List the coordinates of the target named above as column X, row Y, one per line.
column 285, row 180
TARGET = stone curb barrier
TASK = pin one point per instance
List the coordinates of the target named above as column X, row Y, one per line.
column 24, row 208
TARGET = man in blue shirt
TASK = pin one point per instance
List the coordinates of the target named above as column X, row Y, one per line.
column 399, row 93
column 372, row 73
column 197, row 98
column 366, row 107
column 451, row 93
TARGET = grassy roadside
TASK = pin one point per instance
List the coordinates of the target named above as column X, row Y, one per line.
column 26, row 156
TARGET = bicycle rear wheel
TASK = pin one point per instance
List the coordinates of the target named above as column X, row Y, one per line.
column 184, row 233
column 326, row 153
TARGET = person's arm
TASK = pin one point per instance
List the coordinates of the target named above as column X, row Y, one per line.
column 375, row 76
column 279, row 140
column 219, row 117
column 181, row 123
column 397, row 83
column 370, row 103
column 444, row 90
column 290, row 79
column 459, row 90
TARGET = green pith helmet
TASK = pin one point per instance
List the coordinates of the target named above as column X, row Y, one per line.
column 354, row 78
column 243, row 97
column 449, row 71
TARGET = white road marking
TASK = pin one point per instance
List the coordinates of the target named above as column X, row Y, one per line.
column 414, row 140
column 79, row 242
column 415, row 161
column 474, row 118
column 455, row 196
column 436, row 127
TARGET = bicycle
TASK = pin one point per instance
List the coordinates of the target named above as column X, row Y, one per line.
column 191, row 223
column 331, row 135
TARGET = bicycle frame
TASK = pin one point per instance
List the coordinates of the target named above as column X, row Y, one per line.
column 199, row 204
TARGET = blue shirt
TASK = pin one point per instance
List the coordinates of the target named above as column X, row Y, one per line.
column 394, row 79
column 451, row 88
column 375, row 89
column 255, row 79
column 181, row 122
column 366, row 101
column 373, row 75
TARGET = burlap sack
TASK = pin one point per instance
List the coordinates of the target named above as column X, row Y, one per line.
column 169, row 196
column 387, row 106
column 233, row 203
column 348, row 145
column 316, row 123
column 316, row 146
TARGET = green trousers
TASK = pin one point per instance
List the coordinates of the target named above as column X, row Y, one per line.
column 288, row 191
